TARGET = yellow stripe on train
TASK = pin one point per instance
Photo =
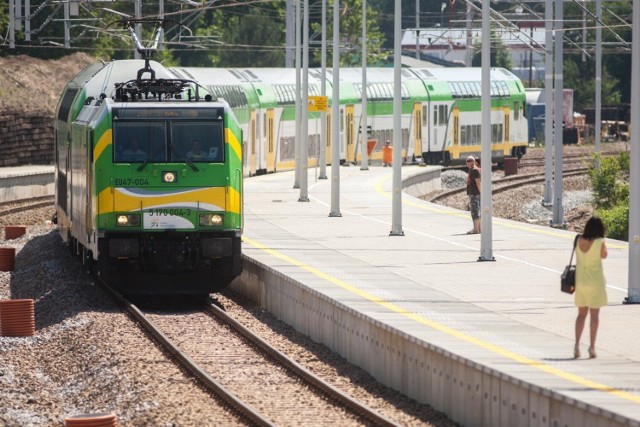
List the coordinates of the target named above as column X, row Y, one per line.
column 117, row 199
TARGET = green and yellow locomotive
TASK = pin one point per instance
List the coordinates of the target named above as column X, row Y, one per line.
column 149, row 179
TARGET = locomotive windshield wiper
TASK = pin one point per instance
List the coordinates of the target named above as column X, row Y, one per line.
column 193, row 165
column 143, row 165
column 189, row 162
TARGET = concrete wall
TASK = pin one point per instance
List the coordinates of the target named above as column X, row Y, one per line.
column 26, row 139
column 469, row 393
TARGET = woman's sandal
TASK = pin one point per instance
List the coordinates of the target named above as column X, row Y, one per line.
column 576, row 352
column 592, row 353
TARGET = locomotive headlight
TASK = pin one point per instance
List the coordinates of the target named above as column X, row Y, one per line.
column 169, row 177
column 209, row 219
column 128, row 220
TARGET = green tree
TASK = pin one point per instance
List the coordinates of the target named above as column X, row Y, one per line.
column 351, row 36
column 500, row 57
column 584, row 86
column 253, row 40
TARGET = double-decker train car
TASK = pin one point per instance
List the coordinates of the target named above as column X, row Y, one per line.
column 441, row 113
column 149, row 179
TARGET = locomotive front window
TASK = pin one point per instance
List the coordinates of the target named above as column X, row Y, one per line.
column 137, row 142
column 197, row 142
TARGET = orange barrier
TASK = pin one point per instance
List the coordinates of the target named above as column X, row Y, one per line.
column 14, row 231
column 17, row 318
column 91, row 420
column 7, row 259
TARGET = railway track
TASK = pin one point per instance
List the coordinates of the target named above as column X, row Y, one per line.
column 244, row 373
column 23, row 205
column 509, row 183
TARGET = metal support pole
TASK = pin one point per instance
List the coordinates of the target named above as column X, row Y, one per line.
column 633, row 296
column 598, row 118
column 469, row 50
column 296, row 145
column 323, row 90
column 161, row 29
column 289, row 36
column 417, row 29
column 27, row 20
column 67, row 26
column 12, row 25
column 18, row 14
column 364, row 166
column 335, row 115
column 547, row 197
column 396, row 217
column 138, row 26
column 558, row 213
column 486, row 253
column 304, row 123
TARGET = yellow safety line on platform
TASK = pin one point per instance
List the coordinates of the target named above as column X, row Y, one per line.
column 550, row 232
column 445, row 329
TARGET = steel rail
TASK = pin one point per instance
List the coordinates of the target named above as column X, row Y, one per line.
column 522, row 180
column 243, row 410
column 26, row 204
column 368, row 414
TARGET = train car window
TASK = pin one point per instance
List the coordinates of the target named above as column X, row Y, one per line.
column 477, row 89
column 435, row 114
column 197, row 141
column 135, row 142
column 456, row 90
column 442, row 114
column 425, row 115
column 358, row 89
column 404, row 92
column 516, row 110
column 466, row 90
column 65, row 105
column 463, row 135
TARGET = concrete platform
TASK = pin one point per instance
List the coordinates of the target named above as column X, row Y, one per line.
column 488, row 343
column 22, row 182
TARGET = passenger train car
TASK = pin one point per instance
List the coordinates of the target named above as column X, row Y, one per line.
column 149, row 179
column 441, row 113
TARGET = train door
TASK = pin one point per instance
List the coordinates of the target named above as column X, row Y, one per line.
column 252, row 143
column 439, row 129
column 417, row 129
column 350, row 132
column 270, row 140
column 328, row 148
column 507, row 129
column 456, row 131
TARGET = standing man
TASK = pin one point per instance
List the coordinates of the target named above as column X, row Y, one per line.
column 473, row 191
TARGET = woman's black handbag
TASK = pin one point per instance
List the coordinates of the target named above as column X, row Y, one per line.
column 568, row 278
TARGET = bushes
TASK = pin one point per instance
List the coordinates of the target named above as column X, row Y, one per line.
column 616, row 221
column 611, row 193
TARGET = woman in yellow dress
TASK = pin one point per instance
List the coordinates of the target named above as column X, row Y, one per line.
column 590, row 282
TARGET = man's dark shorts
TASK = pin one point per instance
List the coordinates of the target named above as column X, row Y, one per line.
column 474, row 206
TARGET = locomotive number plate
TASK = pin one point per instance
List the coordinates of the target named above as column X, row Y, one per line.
column 165, row 222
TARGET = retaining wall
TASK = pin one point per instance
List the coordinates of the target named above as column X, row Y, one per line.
column 26, row 139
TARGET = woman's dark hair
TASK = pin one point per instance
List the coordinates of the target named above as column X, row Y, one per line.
column 593, row 229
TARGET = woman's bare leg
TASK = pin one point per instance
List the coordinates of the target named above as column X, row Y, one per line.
column 580, row 321
column 594, row 314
